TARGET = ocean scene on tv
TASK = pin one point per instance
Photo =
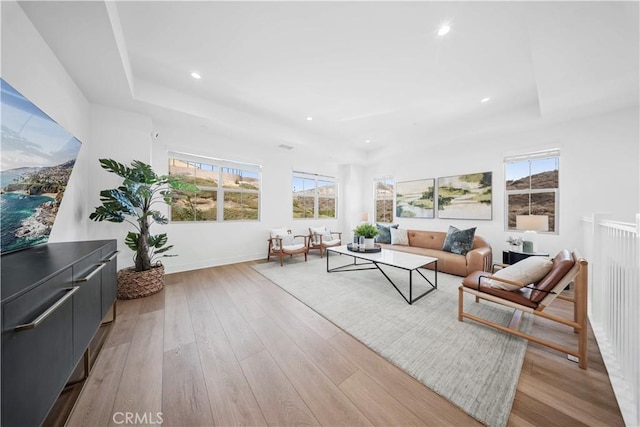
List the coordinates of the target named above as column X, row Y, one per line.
column 37, row 158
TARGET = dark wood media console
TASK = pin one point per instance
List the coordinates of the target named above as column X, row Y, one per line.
column 54, row 298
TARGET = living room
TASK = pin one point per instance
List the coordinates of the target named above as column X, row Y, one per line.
column 84, row 65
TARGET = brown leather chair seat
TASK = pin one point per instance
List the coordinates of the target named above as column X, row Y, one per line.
column 521, row 296
column 567, row 268
column 529, row 296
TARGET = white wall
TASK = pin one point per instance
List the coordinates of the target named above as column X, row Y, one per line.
column 201, row 245
column 599, row 165
column 29, row 65
column 355, row 194
column 33, row 70
column 599, row 171
column 122, row 136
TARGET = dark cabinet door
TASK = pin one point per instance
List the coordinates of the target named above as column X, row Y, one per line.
column 109, row 257
column 37, row 342
column 87, row 312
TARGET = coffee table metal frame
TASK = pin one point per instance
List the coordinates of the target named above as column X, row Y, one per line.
column 412, row 262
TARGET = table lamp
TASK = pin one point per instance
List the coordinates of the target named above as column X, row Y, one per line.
column 531, row 224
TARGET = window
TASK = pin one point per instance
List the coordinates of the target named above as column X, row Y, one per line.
column 314, row 196
column 384, row 191
column 236, row 185
column 532, row 182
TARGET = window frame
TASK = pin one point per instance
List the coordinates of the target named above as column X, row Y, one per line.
column 316, row 196
column 529, row 157
column 384, row 179
column 222, row 166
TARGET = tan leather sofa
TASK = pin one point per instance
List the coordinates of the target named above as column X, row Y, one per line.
column 430, row 243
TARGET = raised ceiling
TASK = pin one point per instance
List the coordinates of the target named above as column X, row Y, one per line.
column 373, row 71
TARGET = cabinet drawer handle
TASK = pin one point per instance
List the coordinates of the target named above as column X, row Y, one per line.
column 111, row 256
column 90, row 275
column 48, row 311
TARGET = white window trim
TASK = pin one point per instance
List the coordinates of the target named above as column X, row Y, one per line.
column 220, row 190
column 316, row 205
column 375, row 197
column 542, row 154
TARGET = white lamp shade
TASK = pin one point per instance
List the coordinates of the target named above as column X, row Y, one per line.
column 364, row 217
column 532, row 222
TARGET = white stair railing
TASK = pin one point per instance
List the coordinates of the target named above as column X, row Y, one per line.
column 612, row 249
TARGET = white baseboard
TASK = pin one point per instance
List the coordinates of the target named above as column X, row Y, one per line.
column 212, row 263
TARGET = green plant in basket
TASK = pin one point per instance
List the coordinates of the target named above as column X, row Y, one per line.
column 134, row 202
column 368, row 231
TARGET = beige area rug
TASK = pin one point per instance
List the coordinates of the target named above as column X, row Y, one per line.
column 473, row 366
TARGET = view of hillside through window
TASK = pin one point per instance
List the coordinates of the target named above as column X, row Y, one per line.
column 313, row 196
column 532, row 183
column 237, row 188
column 384, row 191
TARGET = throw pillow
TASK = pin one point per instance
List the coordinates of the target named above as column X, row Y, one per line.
column 459, row 241
column 316, row 232
column 529, row 270
column 278, row 232
column 327, row 237
column 287, row 239
column 399, row 236
column 384, row 233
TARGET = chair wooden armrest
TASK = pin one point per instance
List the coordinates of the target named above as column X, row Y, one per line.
column 305, row 237
column 568, row 267
column 276, row 247
column 316, row 240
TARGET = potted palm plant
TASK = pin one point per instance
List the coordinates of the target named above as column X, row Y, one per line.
column 134, row 202
column 369, row 232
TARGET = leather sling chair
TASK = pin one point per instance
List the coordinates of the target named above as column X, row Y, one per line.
column 568, row 267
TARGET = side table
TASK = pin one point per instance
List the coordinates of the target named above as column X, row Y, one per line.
column 511, row 257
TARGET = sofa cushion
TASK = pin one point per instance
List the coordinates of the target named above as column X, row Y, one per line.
column 399, row 236
column 427, row 239
column 459, row 241
column 529, row 270
column 384, row 232
column 430, row 243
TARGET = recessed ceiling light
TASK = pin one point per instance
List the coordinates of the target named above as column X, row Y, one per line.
column 444, row 29
column 367, row 141
column 195, row 75
column 309, row 118
column 487, row 99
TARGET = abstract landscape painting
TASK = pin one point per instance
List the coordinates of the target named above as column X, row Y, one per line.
column 414, row 199
column 38, row 156
column 465, row 196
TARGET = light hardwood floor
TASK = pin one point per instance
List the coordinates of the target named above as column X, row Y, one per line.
column 225, row 346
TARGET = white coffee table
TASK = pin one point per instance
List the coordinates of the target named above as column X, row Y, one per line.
column 397, row 259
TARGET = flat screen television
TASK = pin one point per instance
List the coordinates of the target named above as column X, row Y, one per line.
column 37, row 158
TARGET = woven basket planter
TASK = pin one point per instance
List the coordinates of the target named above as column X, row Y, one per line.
column 137, row 284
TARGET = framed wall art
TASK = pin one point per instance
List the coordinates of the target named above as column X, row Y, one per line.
column 38, row 156
column 415, row 199
column 465, row 196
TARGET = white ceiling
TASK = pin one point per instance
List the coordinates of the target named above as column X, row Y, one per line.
column 363, row 70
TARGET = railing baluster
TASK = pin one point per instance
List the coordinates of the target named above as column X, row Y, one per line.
column 614, row 289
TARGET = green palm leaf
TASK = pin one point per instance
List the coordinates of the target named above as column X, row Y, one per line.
column 141, row 188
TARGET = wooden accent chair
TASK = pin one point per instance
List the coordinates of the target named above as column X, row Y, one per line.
column 282, row 242
column 534, row 298
column 321, row 238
